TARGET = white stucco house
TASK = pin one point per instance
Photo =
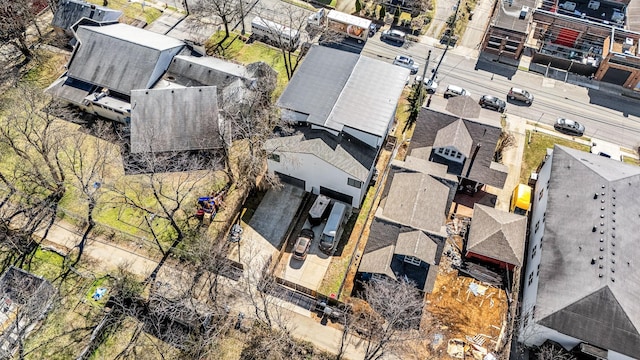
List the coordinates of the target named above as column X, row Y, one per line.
column 341, row 107
column 582, row 279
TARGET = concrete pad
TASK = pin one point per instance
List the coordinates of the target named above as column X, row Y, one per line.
column 548, row 83
column 600, row 146
column 275, row 213
column 309, row 272
column 262, row 236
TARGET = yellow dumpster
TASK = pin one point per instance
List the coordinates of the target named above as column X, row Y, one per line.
column 521, row 199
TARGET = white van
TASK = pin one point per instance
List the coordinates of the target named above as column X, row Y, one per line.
column 319, row 210
column 274, row 33
column 333, row 230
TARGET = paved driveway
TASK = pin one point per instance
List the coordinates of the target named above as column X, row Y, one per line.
column 263, row 235
column 310, row 272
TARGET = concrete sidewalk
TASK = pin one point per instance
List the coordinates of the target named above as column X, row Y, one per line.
column 109, row 256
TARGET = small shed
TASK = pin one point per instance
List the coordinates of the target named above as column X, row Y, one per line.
column 497, row 237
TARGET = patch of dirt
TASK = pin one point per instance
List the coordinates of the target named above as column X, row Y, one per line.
column 457, row 312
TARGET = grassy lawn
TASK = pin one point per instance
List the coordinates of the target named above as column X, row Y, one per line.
column 236, row 49
column 132, row 10
column 535, row 151
column 68, row 325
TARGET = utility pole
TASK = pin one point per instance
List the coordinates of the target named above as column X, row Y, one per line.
column 424, row 72
column 450, row 28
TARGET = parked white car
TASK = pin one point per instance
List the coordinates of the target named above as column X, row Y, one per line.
column 406, row 62
column 453, row 90
column 430, row 85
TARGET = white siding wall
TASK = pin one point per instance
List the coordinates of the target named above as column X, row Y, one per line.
column 316, row 172
column 293, row 116
column 330, row 131
column 369, row 139
column 539, row 207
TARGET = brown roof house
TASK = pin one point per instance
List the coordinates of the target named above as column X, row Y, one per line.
column 407, row 235
column 497, row 237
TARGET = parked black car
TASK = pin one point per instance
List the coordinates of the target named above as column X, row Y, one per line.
column 488, row 101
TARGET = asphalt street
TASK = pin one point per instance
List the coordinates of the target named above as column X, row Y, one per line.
column 606, row 115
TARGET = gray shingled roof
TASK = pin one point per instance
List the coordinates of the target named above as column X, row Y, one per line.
column 352, row 157
column 456, row 135
column 417, row 244
column 119, row 56
column 428, row 124
column 71, row 90
column 174, row 119
column 572, row 297
column 337, row 88
column 417, row 200
column 388, row 238
column 497, row 234
column 463, row 106
column 70, row 11
column 210, row 71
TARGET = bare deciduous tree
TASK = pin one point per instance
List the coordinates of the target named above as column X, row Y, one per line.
column 227, row 11
column 251, row 122
column 15, row 17
column 88, row 160
column 33, row 175
column 393, row 317
column 164, row 192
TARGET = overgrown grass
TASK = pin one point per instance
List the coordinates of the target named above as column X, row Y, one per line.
column 536, row 149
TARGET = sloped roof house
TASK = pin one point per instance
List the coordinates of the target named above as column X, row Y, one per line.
column 582, row 282
column 341, row 106
column 497, row 236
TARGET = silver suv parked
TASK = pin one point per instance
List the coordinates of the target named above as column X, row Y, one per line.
column 393, row 35
column 520, row 95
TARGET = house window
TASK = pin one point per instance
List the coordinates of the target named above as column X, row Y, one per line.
column 274, row 157
column 377, row 277
column 458, row 156
column 537, row 226
column 355, row 183
column 447, row 151
column 530, row 278
column 541, row 242
column 533, row 251
column 525, row 321
column 412, row 260
column 541, row 193
column 538, row 271
column 440, row 150
column 544, row 216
